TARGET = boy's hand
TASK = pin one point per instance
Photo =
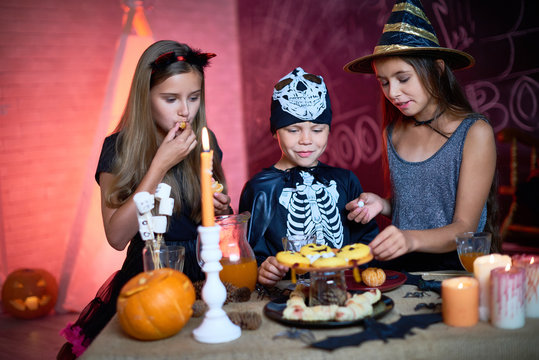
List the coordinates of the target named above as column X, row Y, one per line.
column 365, row 207
column 271, row 271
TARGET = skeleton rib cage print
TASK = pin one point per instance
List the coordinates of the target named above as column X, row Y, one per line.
column 312, row 208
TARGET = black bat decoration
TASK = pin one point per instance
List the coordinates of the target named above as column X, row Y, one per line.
column 425, row 285
column 379, row 331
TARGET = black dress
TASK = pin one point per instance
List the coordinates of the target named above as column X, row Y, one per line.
column 95, row 316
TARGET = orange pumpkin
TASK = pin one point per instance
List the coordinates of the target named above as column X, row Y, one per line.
column 155, row 305
column 29, row 293
column 373, row 276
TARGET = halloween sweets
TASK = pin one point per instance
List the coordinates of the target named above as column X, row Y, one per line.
column 314, row 256
column 356, row 307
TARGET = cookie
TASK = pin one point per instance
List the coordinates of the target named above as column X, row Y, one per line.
column 354, row 252
column 216, row 186
column 290, row 258
column 330, row 262
column 315, row 251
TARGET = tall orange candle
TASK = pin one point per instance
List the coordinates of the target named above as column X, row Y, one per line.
column 206, row 159
column 460, row 301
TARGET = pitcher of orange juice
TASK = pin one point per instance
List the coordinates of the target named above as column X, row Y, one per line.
column 238, row 261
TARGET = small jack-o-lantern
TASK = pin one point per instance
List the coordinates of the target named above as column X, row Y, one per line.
column 29, row 293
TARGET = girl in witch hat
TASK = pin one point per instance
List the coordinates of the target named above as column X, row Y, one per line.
column 440, row 155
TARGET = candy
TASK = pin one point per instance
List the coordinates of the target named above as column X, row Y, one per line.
column 159, row 224
column 144, row 201
column 166, row 206
column 162, row 191
column 145, row 226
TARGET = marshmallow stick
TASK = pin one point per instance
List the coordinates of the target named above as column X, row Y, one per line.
column 162, row 191
column 145, row 203
column 148, row 224
column 166, row 205
column 159, row 227
column 145, row 226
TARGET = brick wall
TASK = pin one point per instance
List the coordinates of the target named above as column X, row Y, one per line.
column 55, row 60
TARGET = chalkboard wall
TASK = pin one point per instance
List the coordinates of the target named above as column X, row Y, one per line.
column 322, row 36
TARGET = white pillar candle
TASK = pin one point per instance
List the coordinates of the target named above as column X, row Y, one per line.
column 507, row 291
column 531, row 265
column 481, row 268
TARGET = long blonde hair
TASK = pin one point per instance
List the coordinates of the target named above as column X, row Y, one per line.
column 139, row 139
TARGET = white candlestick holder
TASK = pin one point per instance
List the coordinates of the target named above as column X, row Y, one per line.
column 216, row 326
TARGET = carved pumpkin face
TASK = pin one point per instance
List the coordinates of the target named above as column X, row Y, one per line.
column 29, row 293
column 155, row 305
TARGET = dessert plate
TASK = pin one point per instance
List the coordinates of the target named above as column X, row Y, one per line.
column 394, row 279
column 275, row 310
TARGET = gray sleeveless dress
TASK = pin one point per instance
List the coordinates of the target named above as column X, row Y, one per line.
column 424, row 196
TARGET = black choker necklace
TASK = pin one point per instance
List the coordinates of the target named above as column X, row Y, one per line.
column 427, row 122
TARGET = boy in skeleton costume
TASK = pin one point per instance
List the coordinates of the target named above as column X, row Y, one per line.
column 299, row 194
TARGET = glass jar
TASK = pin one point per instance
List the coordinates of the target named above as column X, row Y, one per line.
column 153, row 256
column 327, row 288
column 238, row 259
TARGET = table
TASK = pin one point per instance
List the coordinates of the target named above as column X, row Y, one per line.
column 438, row 341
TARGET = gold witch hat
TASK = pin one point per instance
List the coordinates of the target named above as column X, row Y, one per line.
column 408, row 31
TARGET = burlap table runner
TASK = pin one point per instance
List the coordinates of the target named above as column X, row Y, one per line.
column 439, row 341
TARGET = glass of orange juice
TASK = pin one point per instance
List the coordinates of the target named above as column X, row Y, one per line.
column 471, row 245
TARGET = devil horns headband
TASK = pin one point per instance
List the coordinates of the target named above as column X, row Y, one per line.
column 192, row 57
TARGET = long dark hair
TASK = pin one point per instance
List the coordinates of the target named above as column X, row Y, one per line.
column 443, row 86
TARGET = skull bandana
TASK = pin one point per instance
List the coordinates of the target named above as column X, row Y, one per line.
column 299, row 96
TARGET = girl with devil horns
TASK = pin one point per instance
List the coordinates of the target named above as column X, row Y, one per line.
column 154, row 142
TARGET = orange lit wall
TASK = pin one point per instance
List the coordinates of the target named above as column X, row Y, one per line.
column 56, row 58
